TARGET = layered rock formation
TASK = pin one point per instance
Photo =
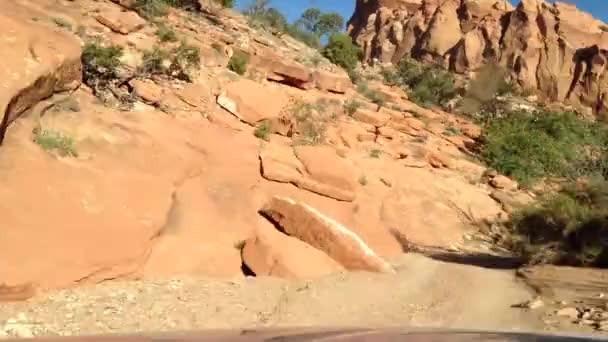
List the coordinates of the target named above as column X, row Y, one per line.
column 552, row 47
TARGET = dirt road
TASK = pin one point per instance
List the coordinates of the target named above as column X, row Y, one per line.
column 423, row 293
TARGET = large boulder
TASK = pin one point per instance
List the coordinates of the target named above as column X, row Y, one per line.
column 123, row 22
column 271, row 253
column 309, row 225
column 323, row 165
column 86, row 219
column 251, row 102
column 314, row 168
column 36, row 62
column 327, row 81
column 283, row 70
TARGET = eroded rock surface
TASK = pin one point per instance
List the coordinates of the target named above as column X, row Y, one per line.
column 37, row 61
column 553, row 47
column 306, row 223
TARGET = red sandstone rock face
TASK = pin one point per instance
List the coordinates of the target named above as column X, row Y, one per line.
column 552, row 47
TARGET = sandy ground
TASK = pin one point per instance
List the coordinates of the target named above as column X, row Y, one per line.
column 423, row 293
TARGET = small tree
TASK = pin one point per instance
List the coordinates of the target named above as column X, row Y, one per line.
column 238, row 63
column 329, row 23
column 340, row 50
column 100, row 64
column 275, row 19
column 310, row 19
column 227, row 3
column 257, row 7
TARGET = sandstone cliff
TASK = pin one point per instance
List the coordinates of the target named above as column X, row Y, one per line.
column 552, row 47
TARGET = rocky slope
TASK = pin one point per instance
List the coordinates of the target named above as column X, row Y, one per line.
column 227, row 176
column 552, row 48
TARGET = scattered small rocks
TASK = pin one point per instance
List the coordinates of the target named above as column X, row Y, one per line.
column 530, row 304
column 571, row 313
column 18, row 327
column 596, row 318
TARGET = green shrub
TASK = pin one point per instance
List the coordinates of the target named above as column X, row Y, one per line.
column 226, row 3
column 185, row 59
column 265, row 18
column 154, row 62
column 158, row 8
column 238, row 63
column 316, row 60
column 311, row 121
column 311, row 39
column 451, row 131
column 152, row 8
column 61, row 22
column 375, row 153
column 51, row 140
column 567, row 228
column 428, row 84
column 531, row 146
column 68, row 104
column 166, row 34
column 340, row 50
column 178, row 62
column 371, row 94
column 100, row 64
column 351, row 106
column 480, row 100
column 391, row 77
column 263, row 130
column 363, row 180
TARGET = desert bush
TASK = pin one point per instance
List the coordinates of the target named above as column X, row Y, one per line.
column 52, row 140
column 238, row 63
column 531, row 146
column 363, row 180
column 566, row 228
column 480, row 101
column 152, row 8
column 428, row 84
column 375, row 153
column 157, row 8
column 154, row 62
column 371, row 94
column 309, row 38
column 178, row 62
column 166, row 34
column 263, row 130
column 351, row 106
column 61, row 22
column 100, row 64
column 341, row 51
column 185, row 59
column 68, row 104
column 226, row 3
column 311, row 121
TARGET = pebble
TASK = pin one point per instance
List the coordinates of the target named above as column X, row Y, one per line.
column 568, row 312
column 535, row 304
column 19, row 330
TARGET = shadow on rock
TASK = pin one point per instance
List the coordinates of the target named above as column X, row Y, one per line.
column 479, row 259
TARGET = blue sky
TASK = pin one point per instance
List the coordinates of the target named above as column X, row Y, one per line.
column 294, row 8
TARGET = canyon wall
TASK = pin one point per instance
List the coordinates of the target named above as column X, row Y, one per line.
column 554, row 48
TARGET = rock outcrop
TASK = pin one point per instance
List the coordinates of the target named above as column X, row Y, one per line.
column 271, row 253
column 36, row 62
column 551, row 47
column 309, row 225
